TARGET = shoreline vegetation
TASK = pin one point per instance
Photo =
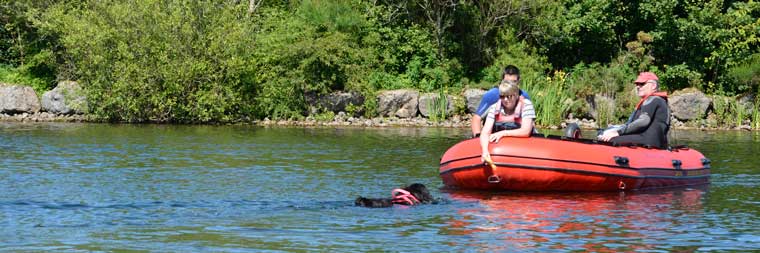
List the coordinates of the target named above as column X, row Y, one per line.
column 304, row 62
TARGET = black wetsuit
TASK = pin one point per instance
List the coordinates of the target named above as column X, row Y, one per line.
column 649, row 125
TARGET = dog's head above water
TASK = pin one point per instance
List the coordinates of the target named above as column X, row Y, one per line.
column 411, row 195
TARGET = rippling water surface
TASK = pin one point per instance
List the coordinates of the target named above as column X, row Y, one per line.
column 100, row 187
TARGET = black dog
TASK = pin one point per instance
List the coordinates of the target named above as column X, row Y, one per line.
column 411, row 195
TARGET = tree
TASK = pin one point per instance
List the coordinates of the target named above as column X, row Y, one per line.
column 30, row 54
column 253, row 5
column 438, row 15
column 492, row 15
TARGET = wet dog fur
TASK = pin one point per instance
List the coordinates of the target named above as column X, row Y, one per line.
column 418, row 190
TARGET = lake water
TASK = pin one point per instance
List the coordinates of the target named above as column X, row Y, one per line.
column 100, row 187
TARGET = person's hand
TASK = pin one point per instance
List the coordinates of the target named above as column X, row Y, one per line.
column 485, row 157
column 607, row 135
column 495, row 137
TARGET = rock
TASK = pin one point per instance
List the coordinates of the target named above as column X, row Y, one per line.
column 601, row 107
column 429, row 102
column 587, row 124
column 473, row 97
column 456, row 118
column 747, row 101
column 334, row 102
column 399, row 103
column 18, row 99
column 341, row 116
column 404, row 113
column 689, row 104
column 67, row 98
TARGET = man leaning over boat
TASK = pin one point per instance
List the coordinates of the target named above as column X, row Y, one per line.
column 512, row 115
column 510, row 73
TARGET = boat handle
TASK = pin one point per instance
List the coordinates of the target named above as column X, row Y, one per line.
column 621, row 161
column 493, row 178
column 706, row 162
column 677, row 164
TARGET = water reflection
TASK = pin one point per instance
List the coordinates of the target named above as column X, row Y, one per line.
column 600, row 222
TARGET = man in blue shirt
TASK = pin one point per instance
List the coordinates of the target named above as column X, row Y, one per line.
column 510, row 73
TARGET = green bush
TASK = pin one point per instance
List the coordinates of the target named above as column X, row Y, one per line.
column 613, row 81
column 679, row 77
column 721, row 109
column 746, row 75
column 11, row 75
column 26, row 54
column 406, row 57
column 514, row 52
column 159, row 61
column 305, row 53
column 732, row 113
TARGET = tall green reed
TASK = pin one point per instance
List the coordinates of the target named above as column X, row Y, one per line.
column 756, row 113
column 605, row 112
column 721, row 109
column 730, row 112
column 740, row 112
column 550, row 98
column 438, row 106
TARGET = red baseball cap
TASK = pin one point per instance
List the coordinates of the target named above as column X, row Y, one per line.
column 646, row 76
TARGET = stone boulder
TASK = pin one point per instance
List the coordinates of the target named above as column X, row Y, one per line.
column 747, row 100
column 599, row 106
column 429, row 102
column 18, row 99
column 473, row 97
column 334, row 102
column 688, row 104
column 399, row 103
column 67, row 98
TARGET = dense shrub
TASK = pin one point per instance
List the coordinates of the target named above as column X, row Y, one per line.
column 613, row 81
column 514, row 52
column 406, row 57
column 679, row 77
column 746, row 75
column 314, row 48
column 11, row 75
column 158, row 60
column 26, row 55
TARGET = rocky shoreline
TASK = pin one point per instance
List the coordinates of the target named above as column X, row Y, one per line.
column 397, row 108
column 42, row 117
column 341, row 120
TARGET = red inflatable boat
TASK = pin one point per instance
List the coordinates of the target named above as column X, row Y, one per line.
column 554, row 163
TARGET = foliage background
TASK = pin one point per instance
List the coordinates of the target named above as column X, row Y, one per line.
column 218, row 61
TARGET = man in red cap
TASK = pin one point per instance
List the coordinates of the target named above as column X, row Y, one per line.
column 650, row 122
